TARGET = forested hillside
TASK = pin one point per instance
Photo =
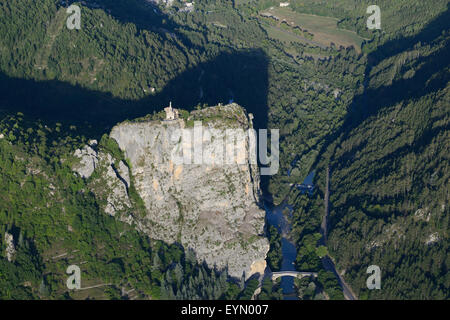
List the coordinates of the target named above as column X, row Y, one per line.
column 389, row 168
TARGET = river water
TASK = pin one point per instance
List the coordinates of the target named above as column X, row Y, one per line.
column 276, row 218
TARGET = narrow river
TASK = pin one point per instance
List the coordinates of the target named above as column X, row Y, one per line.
column 278, row 219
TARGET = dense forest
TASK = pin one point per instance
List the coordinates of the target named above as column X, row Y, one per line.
column 389, row 169
column 376, row 115
column 390, row 176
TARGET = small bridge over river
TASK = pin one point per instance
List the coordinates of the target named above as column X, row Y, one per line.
column 296, row 274
column 276, row 275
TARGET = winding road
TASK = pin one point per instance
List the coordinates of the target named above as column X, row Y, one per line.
column 327, row 261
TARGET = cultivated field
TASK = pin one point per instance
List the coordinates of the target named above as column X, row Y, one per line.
column 324, row 29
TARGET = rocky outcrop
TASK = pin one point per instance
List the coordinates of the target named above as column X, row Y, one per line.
column 432, row 238
column 10, row 249
column 124, row 174
column 209, row 208
column 117, row 182
column 88, row 160
column 113, row 180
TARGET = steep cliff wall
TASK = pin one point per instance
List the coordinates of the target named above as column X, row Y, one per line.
column 209, row 208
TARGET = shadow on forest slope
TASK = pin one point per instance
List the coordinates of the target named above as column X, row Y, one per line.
column 424, row 81
column 241, row 76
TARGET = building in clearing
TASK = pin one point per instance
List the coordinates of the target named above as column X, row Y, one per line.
column 284, row 4
column 171, row 113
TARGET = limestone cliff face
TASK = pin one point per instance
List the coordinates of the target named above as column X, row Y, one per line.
column 210, row 208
